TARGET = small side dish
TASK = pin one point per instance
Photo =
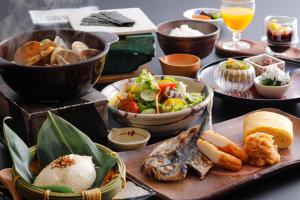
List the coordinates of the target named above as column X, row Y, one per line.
column 185, row 31
column 280, row 33
column 206, row 15
column 146, row 95
column 212, row 15
column 273, row 83
column 234, row 75
column 274, row 77
column 180, row 64
column 129, row 138
column 262, row 62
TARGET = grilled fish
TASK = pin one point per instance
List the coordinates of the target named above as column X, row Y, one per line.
column 171, row 160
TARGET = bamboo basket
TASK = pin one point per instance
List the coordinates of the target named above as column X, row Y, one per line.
column 30, row 192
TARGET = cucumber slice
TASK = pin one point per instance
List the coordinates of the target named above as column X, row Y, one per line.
column 148, row 95
column 149, row 111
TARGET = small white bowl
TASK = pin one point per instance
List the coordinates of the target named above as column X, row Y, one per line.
column 274, row 92
column 129, row 138
column 189, row 13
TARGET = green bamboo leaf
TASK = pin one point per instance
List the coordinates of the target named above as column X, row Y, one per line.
column 57, row 137
column 57, row 188
column 19, row 152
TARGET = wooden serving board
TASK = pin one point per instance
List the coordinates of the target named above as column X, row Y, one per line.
column 217, row 181
column 257, row 47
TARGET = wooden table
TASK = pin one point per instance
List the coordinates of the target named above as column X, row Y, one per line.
column 282, row 186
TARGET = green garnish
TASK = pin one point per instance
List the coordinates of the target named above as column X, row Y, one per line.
column 215, row 15
column 270, row 82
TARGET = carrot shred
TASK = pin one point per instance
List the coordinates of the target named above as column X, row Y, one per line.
column 110, row 175
column 130, row 96
column 156, row 102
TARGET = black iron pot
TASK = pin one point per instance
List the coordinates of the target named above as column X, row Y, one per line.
column 54, row 83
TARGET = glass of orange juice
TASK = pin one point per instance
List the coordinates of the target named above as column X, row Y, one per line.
column 237, row 15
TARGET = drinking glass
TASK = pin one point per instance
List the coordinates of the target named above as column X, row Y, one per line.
column 280, row 33
column 237, row 15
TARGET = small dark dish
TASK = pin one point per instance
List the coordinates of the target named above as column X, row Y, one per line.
column 54, row 83
column 251, row 96
column 200, row 46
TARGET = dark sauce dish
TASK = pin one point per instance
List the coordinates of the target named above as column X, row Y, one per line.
column 54, row 83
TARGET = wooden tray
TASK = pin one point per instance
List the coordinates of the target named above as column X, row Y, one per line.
column 206, row 73
column 218, row 181
column 257, row 47
column 116, row 77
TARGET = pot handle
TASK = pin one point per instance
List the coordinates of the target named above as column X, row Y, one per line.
column 107, row 37
column 5, row 64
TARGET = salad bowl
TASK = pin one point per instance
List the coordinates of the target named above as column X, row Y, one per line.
column 161, row 124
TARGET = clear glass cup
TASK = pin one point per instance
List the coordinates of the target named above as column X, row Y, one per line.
column 237, row 15
column 280, row 34
column 234, row 80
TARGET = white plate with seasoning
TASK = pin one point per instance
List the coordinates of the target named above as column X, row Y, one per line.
column 129, row 138
column 213, row 15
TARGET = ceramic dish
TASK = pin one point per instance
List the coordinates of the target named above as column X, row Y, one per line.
column 205, row 75
column 129, row 138
column 180, row 64
column 165, row 123
column 275, row 92
column 218, row 181
column 189, row 13
column 200, row 46
column 257, row 61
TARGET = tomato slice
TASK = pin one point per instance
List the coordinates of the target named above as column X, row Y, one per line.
column 129, row 106
column 164, row 85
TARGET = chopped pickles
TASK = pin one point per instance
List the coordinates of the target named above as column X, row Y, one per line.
column 236, row 64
